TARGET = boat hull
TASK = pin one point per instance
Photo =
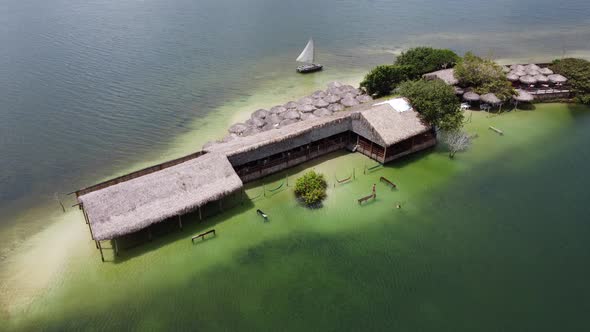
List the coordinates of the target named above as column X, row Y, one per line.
column 304, row 69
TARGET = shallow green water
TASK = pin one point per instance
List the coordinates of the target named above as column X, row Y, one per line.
column 495, row 240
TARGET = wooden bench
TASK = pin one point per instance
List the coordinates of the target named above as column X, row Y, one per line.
column 202, row 235
column 382, row 179
column 366, row 198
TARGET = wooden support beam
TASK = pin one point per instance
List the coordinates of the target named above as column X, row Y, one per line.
column 116, row 248
column 200, row 216
column 179, row 222
column 100, row 248
column 220, row 206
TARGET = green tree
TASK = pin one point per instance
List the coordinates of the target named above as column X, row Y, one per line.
column 311, row 188
column 577, row 72
column 436, row 103
column 427, row 59
column 484, row 75
column 383, row 79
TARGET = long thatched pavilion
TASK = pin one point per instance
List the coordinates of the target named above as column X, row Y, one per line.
column 130, row 203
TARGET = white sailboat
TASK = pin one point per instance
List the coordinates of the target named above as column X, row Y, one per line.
column 307, row 57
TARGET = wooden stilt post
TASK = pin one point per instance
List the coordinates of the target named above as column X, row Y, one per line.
column 179, row 222
column 220, row 206
column 200, row 216
column 89, row 227
column 243, row 195
column 371, row 152
column 116, row 248
column 100, row 248
column 150, row 233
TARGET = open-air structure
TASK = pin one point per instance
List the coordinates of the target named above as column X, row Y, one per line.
column 127, row 204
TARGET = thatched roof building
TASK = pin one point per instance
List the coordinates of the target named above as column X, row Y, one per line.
column 446, row 75
column 129, row 206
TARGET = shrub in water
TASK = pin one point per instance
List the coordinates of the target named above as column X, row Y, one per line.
column 311, row 188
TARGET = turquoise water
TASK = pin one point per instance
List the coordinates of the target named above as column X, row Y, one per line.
column 494, row 240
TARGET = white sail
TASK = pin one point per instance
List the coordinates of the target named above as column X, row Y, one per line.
column 307, row 54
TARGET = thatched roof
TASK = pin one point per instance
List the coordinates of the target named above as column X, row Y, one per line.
column 305, row 108
column 528, row 79
column 261, row 114
column 332, row 98
column 319, row 103
column 238, row 128
column 349, row 101
column 278, row 109
column 322, row 112
column 512, row 77
column 446, row 75
column 523, row 96
column 292, row 114
column 532, row 72
column 490, row 98
column 390, row 126
column 132, row 205
column 556, row 78
column 336, row 107
column 291, row 104
column 471, row 96
column 458, row 90
column 541, row 78
column 545, row 71
column 519, row 73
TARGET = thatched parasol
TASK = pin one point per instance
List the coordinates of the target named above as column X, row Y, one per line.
column 528, row 79
column 556, row 78
column 332, row 98
column 336, row 91
column 335, row 108
column 545, row 71
column 532, row 72
column 505, row 69
column 255, row 122
column 290, row 115
column 307, row 116
column 363, row 99
column 277, row 109
column 322, row 112
column 291, row 104
column 519, row 73
column 318, row 94
column 305, row 101
column 250, row 131
column 261, row 114
column 490, row 98
column 523, row 96
column 520, row 68
column 541, row 78
column 470, row 96
column 274, row 119
column 349, row 101
column 532, row 66
column 334, row 84
column 306, row 108
column 512, row 77
column 288, row 122
column 238, row 128
column 458, row 90
column 319, row 103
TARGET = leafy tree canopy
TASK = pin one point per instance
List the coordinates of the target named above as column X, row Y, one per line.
column 577, row 72
column 427, row 59
column 484, row 75
column 436, row 103
column 311, row 188
column 383, row 79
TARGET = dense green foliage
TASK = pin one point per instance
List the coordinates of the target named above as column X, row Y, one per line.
column 484, row 75
column 577, row 72
column 435, row 101
column 381, row 80
column 427, row 59
column 311, row 188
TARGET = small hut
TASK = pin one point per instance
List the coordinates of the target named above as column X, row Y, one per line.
column 522, row 97
column 238, row 128
column 470, row 96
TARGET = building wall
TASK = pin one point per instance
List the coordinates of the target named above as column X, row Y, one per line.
column 415, row 148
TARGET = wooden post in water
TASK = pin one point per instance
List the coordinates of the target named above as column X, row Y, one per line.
column 116, row 248
column 100, row 248
column 220, row 206
column 200, row 216
column 179, row 221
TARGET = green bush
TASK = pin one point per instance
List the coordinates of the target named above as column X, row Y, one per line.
column 381, row 80
column 427, row 59
column 436, row 103
column 577, row 72
column 311, row 188
column 484, row 75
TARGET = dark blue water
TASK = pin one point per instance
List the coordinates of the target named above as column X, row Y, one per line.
column 87, row 87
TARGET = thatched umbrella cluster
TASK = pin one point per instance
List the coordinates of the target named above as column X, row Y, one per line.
column 321, row 103
column 529, row 74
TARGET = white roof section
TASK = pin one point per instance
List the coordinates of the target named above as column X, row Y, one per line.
column 398, row 104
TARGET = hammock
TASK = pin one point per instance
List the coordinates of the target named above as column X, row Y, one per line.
column 373, row 167
column 343, row 180
column 257, row 196
column 277, row 188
